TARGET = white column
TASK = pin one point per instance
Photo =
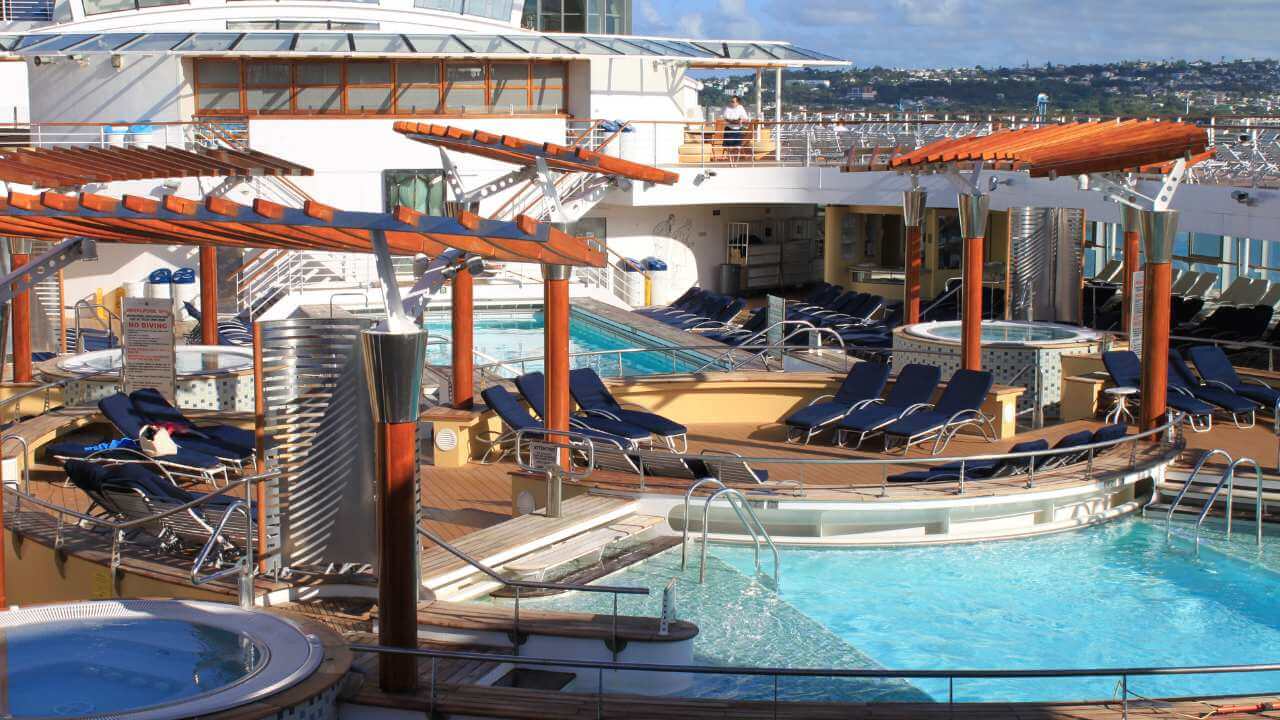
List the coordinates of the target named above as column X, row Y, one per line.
column 777, row 114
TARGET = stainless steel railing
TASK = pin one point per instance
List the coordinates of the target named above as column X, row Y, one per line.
column 742, row 508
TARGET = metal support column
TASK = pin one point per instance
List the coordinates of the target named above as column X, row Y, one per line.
column 777, row 114
column 973, row 227
column 1158, row 230
column 913, row 204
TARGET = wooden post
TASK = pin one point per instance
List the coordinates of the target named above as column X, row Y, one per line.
column 393, row 370
column 1158, row 230
column 913, row 203
column 1132, row 221
column 20, row 254
column 463, row 329
column 555, row 308
column 209, row 294
column 973, row 227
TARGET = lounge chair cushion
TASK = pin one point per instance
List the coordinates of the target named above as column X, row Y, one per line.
column 1214, row 365
column 533, row 388
column 816, row 415
column 1225, row 399
column 590, row 392
column 870, row 418
column 229, row 438
column 186, row 459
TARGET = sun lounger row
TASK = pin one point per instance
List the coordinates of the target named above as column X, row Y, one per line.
column 1073, row 449
column 1217, row 387
column 697, row 308
column 906, row 414
column 203, row 452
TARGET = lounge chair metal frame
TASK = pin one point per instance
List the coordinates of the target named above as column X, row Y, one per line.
column 731, row 467
column 794, row 434
column 842, row 437
column 1251, row 416
column 670, row 441
column 942, row 434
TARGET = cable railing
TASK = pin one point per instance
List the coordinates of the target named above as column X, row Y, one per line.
column 777, row 674
column 205, row 134
column 26, row 10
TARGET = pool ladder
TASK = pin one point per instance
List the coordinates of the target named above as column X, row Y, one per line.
column 742, row 508
column 1227, row 479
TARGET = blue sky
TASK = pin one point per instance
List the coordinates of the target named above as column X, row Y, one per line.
column 948, row 33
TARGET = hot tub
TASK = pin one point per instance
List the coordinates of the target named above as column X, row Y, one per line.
column 150, row 659
column 1026, row 354
column 210, row 377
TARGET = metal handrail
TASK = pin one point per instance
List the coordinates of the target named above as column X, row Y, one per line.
column 811, row 332
column 86, row 305
column 1228, row 478
column 1124, row 673
column 739, row 503
column 518, row 585
column 753, row 338
column 1190, row 478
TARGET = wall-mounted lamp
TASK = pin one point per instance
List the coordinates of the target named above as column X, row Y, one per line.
column 44, row 60
column 994, row 182
column 1241, row 197
column 1082, row 182
column 117, row 62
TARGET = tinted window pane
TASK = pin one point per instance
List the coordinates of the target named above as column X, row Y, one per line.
column 369, row 99
column 316, row 42
column 266, row 41
column 267, row 99
column 418, row 99
column 218, row 73
column 436, row 43
column 510, row 73
column 470, row 74
column 224, row 100
column 468, row 99
column 319, row 99
column 267, row 74
column 510, row 99
column 159, row 3
column 209, row 41
column 445, row 5
column 548, row 99
column 95, row 7
column 549, row 71
column 416, row 72
column 381, row 43
column 319, row 73
column 369, row 73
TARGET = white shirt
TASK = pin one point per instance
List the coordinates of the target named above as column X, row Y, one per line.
column 736, row 114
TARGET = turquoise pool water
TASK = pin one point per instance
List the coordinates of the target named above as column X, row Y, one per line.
column 511, row 336
column 1008, row 332
column 77, row 668
column 1111, row 596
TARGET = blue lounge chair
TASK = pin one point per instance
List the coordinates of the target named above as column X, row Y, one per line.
column 1070, row 441
column 532, row 387
column 1216, row 369
column 194, row 453
column 157, row 409
column 681, row 302
column 911, row 391
column 1183, row 380
column 594, row 398
column 977, row 469
column 609, row 451
column 1126, row 371
column 959, row 407
column 861, row 386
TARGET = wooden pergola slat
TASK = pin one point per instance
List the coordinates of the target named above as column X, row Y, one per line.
column 77, row 165
column 217, row 221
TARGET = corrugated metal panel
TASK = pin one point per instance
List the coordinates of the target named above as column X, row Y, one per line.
column 317, row 412
column 1045, row 263
column 1069, row 270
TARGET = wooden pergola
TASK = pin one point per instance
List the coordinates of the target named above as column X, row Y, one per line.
column 72, row 166
column 1098, row 150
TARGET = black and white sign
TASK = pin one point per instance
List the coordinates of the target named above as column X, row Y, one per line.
column 149, row 346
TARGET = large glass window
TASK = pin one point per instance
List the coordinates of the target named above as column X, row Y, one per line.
column 369, row 87
column 611, row 17
column 97, row 7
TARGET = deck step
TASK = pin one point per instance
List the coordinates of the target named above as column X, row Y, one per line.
column 586, row 548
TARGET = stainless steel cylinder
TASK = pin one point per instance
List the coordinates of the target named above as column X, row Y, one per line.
column 913, row 204
column 393, row 370
column 1130, row 219
column 556, row 272
column 973, row 214
column 1158, row 230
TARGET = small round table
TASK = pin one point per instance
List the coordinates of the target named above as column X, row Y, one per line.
column 1120, row 403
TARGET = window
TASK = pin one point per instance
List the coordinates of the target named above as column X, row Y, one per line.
column 611, row 17
column 377, row 87
column 421, row 190
column 369, row 88
column 97, row 7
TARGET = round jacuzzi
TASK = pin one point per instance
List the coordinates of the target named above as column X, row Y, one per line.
column 209, row 377
column 1018, row 353
column 188, row 360
column 1006, row 332
column 149, row 659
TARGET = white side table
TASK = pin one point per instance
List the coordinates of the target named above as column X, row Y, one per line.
column 1120, row 403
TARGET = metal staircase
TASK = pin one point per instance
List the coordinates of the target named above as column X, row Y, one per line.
column 47, row 313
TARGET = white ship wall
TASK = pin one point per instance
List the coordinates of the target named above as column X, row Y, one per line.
column 14, row 106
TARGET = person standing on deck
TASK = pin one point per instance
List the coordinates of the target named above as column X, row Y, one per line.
column 735, row 117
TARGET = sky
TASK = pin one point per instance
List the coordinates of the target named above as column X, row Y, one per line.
column 964, row 33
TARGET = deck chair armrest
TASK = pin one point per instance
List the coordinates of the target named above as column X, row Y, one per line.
column 970, row 413
column 1219, row 383
column 1254, row 381
column 1183, row 391
column 916, row 408
column 820, row 398
column 603, row 414
column 708, row 325
column 491, row 437
column 867, row 403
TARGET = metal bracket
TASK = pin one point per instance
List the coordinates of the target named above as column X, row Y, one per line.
column 397, row 320
column 964, row 183
column 1125, row 192
column 1170, row 185
column 431, row 280
column 548, row 182
column 48, row 263
column 489, row 189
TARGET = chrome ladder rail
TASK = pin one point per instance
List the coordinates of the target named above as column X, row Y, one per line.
column 1228, row 479
column 1186, row 486
column 747, row 516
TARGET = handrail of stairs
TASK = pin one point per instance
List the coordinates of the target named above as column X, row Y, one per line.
column 1190, row 478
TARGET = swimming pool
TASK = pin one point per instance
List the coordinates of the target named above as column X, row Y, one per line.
column 512, row 335
column 1115, row 595
column 1005, row 331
